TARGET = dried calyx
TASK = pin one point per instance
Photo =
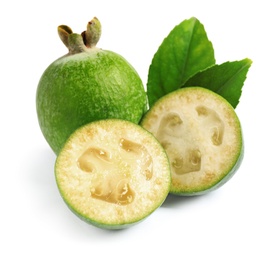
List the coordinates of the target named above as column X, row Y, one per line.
column 77, row 43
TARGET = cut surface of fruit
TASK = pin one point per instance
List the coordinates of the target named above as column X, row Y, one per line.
column 202, row 136
column 113, row 173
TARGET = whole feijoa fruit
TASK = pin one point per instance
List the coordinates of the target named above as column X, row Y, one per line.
column 85, row 85
column 112, row 173
column 202, row 136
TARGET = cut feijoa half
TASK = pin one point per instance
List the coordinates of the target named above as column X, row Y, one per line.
column 202, row 136
column 113, row 173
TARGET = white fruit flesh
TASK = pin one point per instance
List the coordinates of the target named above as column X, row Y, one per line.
column 112, row 173
column 201, row 134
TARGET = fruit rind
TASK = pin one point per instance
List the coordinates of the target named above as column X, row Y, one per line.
column 149, row 194
column 198, row 181
column 77, row 89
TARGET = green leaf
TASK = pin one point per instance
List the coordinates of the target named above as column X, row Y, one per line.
column 226, row 79
column 184, row 52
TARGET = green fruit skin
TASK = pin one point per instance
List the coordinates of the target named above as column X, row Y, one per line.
column 109, row 226
column 77, row 89
column 103, row 225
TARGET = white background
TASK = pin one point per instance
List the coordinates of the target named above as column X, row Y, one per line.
column 235, row 222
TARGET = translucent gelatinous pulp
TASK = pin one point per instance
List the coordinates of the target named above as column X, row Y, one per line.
column 110, row 182
column 213, row 122
column 175, row 134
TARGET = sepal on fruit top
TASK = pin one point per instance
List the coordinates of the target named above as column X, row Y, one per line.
column 77, row 43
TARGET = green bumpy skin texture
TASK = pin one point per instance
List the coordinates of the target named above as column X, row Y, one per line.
column 77, row 89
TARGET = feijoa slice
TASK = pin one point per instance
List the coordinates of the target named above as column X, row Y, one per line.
column 113, row 173
column 202, row 136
